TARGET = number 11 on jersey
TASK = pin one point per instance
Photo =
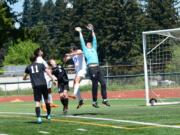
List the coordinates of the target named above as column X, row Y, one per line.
column 34, row 69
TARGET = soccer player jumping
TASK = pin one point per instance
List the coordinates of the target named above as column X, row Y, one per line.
column 80, row 67
column 90, row 52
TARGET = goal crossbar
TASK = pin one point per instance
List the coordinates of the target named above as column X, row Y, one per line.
column 160, row 31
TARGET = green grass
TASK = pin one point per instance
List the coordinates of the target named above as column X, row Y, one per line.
column 133, row 110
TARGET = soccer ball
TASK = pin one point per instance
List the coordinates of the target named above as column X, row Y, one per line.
column 69, row 5
column 152, row 101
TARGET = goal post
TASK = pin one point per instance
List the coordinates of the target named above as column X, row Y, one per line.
column 161, row 52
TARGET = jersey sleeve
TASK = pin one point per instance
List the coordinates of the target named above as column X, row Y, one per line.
column 41, row 60
column 43, row 67
column 94, row 41
column 83, row 46
column 45, row 63
column 27, row 70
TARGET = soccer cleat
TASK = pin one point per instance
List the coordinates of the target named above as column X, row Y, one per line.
column 54, row 105
column 39, row 120
column 43, row 106
column 95, row 104
column 48, row 117
column 80, row 104
column 105, row 102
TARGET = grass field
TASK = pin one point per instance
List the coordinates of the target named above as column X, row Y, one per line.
column 124, row 117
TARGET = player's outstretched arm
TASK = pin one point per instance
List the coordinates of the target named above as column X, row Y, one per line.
column 25, row 77
column 48, row 71
column 83, row 45
column 91, row 28
column 78, row 52
column 67, row 57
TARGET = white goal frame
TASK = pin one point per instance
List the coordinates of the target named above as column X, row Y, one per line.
column 146, row 80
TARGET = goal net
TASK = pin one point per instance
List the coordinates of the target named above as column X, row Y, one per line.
column 161, row 51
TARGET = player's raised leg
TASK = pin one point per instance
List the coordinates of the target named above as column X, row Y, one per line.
column 77, row 91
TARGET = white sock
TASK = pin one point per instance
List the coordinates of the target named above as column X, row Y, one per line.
column 77, row 91
column 50, row 98
column 43, row 102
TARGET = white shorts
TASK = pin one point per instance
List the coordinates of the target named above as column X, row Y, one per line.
column 48, row 81
column 81, row 73
column 49, row 84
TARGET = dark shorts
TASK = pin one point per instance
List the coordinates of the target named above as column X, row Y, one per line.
column 39, row 91
column 63, row 87
column 95, row 73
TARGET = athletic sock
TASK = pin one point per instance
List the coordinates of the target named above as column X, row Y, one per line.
column 62, row 101
column 66, row 101
column 50, row 98
column 48, row 108
column 38, row 111
column 43, row 102
column 77, row 92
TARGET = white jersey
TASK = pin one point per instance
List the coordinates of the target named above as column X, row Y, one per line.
column 39, row 59
column 79, row 62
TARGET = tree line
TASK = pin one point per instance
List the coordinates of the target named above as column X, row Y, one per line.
column 118, row 25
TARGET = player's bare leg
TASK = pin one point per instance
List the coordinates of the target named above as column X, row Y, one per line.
column 51, row 99
column 43, row 105
column 77, row 81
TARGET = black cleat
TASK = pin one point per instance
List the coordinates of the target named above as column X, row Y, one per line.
column 106, row 103
column 95, row 105
column 80, row 104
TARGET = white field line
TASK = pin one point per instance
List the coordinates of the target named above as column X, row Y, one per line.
column 126, row 121
column 20, row 113
column 82, row 129
column 43, row 132
column 17, row 113
column 106, row 119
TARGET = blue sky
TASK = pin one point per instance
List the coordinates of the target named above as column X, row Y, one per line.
column 17, row 7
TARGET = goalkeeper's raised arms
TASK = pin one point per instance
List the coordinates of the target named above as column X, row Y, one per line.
column 78, row 29
column 90, row 27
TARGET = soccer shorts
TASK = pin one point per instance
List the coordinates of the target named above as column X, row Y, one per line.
column 81, row 73
column 39, row 91
column 63, row 87
column 48, row 81
column 49, row 84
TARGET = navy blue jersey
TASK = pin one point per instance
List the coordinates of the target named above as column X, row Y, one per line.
column 60, row 74
column 36, row 72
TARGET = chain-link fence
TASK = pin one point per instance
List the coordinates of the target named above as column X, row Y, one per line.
column 118, row 77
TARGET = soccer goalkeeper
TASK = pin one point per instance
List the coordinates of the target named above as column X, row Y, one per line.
column 90, row 52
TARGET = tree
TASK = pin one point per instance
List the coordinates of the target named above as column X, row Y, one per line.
column 162, row 14
column 36, row 7
column 19, row 53
column 26, row 15
column 6, row 27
